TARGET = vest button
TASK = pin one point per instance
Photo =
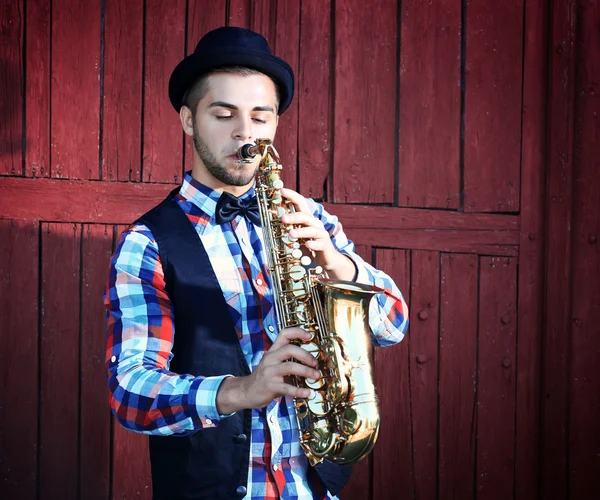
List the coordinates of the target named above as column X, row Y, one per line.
column 241, row 491
column 241, row 438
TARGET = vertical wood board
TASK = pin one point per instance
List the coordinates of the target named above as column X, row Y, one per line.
column 122, row 90
column 60, row 354
column 365, row 101
column 458, row 356
column 430, row 52
column 75, row 96
column 19, row 363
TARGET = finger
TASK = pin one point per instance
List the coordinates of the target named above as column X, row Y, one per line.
column 284, row 389
column 294, row 352
column 288, row 335
column 296, row 198
column 301, row 218
column 309, row 233
column 289, row 368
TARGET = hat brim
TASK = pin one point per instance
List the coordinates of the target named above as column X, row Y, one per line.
column 195, row 65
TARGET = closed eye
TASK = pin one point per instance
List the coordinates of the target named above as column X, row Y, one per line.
column 223, row 117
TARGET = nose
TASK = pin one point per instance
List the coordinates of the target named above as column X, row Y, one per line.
column 243, row 129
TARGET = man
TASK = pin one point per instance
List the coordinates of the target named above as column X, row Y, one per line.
column 193, row 345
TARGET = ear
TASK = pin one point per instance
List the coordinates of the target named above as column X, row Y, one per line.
column 185, row 115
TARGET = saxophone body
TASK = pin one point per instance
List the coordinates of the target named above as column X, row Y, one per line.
column 340, row 420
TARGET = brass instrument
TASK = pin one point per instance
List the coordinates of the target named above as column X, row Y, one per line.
column 340, row 420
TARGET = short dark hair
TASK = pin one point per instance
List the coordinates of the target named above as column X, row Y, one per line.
column 200, row 87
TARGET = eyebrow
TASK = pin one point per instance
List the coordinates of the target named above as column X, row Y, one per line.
column 222, row 104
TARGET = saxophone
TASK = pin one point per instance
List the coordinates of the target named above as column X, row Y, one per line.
column 339, row 421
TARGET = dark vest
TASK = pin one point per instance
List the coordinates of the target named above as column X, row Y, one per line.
column 213, row 463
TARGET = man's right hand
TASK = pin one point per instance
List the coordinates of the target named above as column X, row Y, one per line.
column 268, row 382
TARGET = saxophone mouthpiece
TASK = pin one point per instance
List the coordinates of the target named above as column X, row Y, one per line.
column 248, row 151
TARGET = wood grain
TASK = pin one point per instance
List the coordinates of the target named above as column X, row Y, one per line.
column 424, row 372
column 493, row 86
column 12, row 74
column 122, row 90
column 75, row 95
column 314, row 96
column 531, row 253
column 558, row 264
column 94, row 454
column 19, row 362
column 496, row 361
column 584, row 407
column 60, row 354
column 37, row 89
column 393, row 454
column 365, row 101
column 457, row 389
column 162, row 149
column 430, row 51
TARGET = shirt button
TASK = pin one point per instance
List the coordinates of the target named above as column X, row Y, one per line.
column 241, row 438
column 272, row 419
column 275, row 467
column 271, row 328
column 241, row 491
column 113, row 359
column 208, row 421
column 259, row 282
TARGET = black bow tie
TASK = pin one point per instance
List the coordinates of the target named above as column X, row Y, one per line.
column 229, row 207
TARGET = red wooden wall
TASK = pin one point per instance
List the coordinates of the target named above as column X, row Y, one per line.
column 456, row 140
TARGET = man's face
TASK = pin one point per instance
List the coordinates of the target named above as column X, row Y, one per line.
column 235, row 111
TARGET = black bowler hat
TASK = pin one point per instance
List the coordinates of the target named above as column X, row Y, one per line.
column 231, row 46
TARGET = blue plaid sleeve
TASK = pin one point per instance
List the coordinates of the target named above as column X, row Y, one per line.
column 144, row 395
column 388, row 314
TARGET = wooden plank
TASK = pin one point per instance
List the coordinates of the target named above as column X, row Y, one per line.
column 164, row 47
column 105, row 202
column 584, row 411
column 286, row 44
column 60, row 345
column 497, row 359
column 131, row 465
column 365, row 101
column 493, row 81
column 200, row 21
column 480, row 242
column 373, row 217
column 430, row 51
column 50, row 199
column 12, row 77
column 557, row 313
column 75, row 80
column 424, row 373
column 37, row 90
column 359, row 485
column 122, row 96
column 94, row 461
column 392, row 456
column 19, row 359
column 458, row 354
column 239, row 13
column 531, row 255
column 314, row 95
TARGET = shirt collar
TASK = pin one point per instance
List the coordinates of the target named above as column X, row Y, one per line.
column 203, row 197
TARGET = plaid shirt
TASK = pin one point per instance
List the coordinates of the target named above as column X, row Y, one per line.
column 141, row 331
